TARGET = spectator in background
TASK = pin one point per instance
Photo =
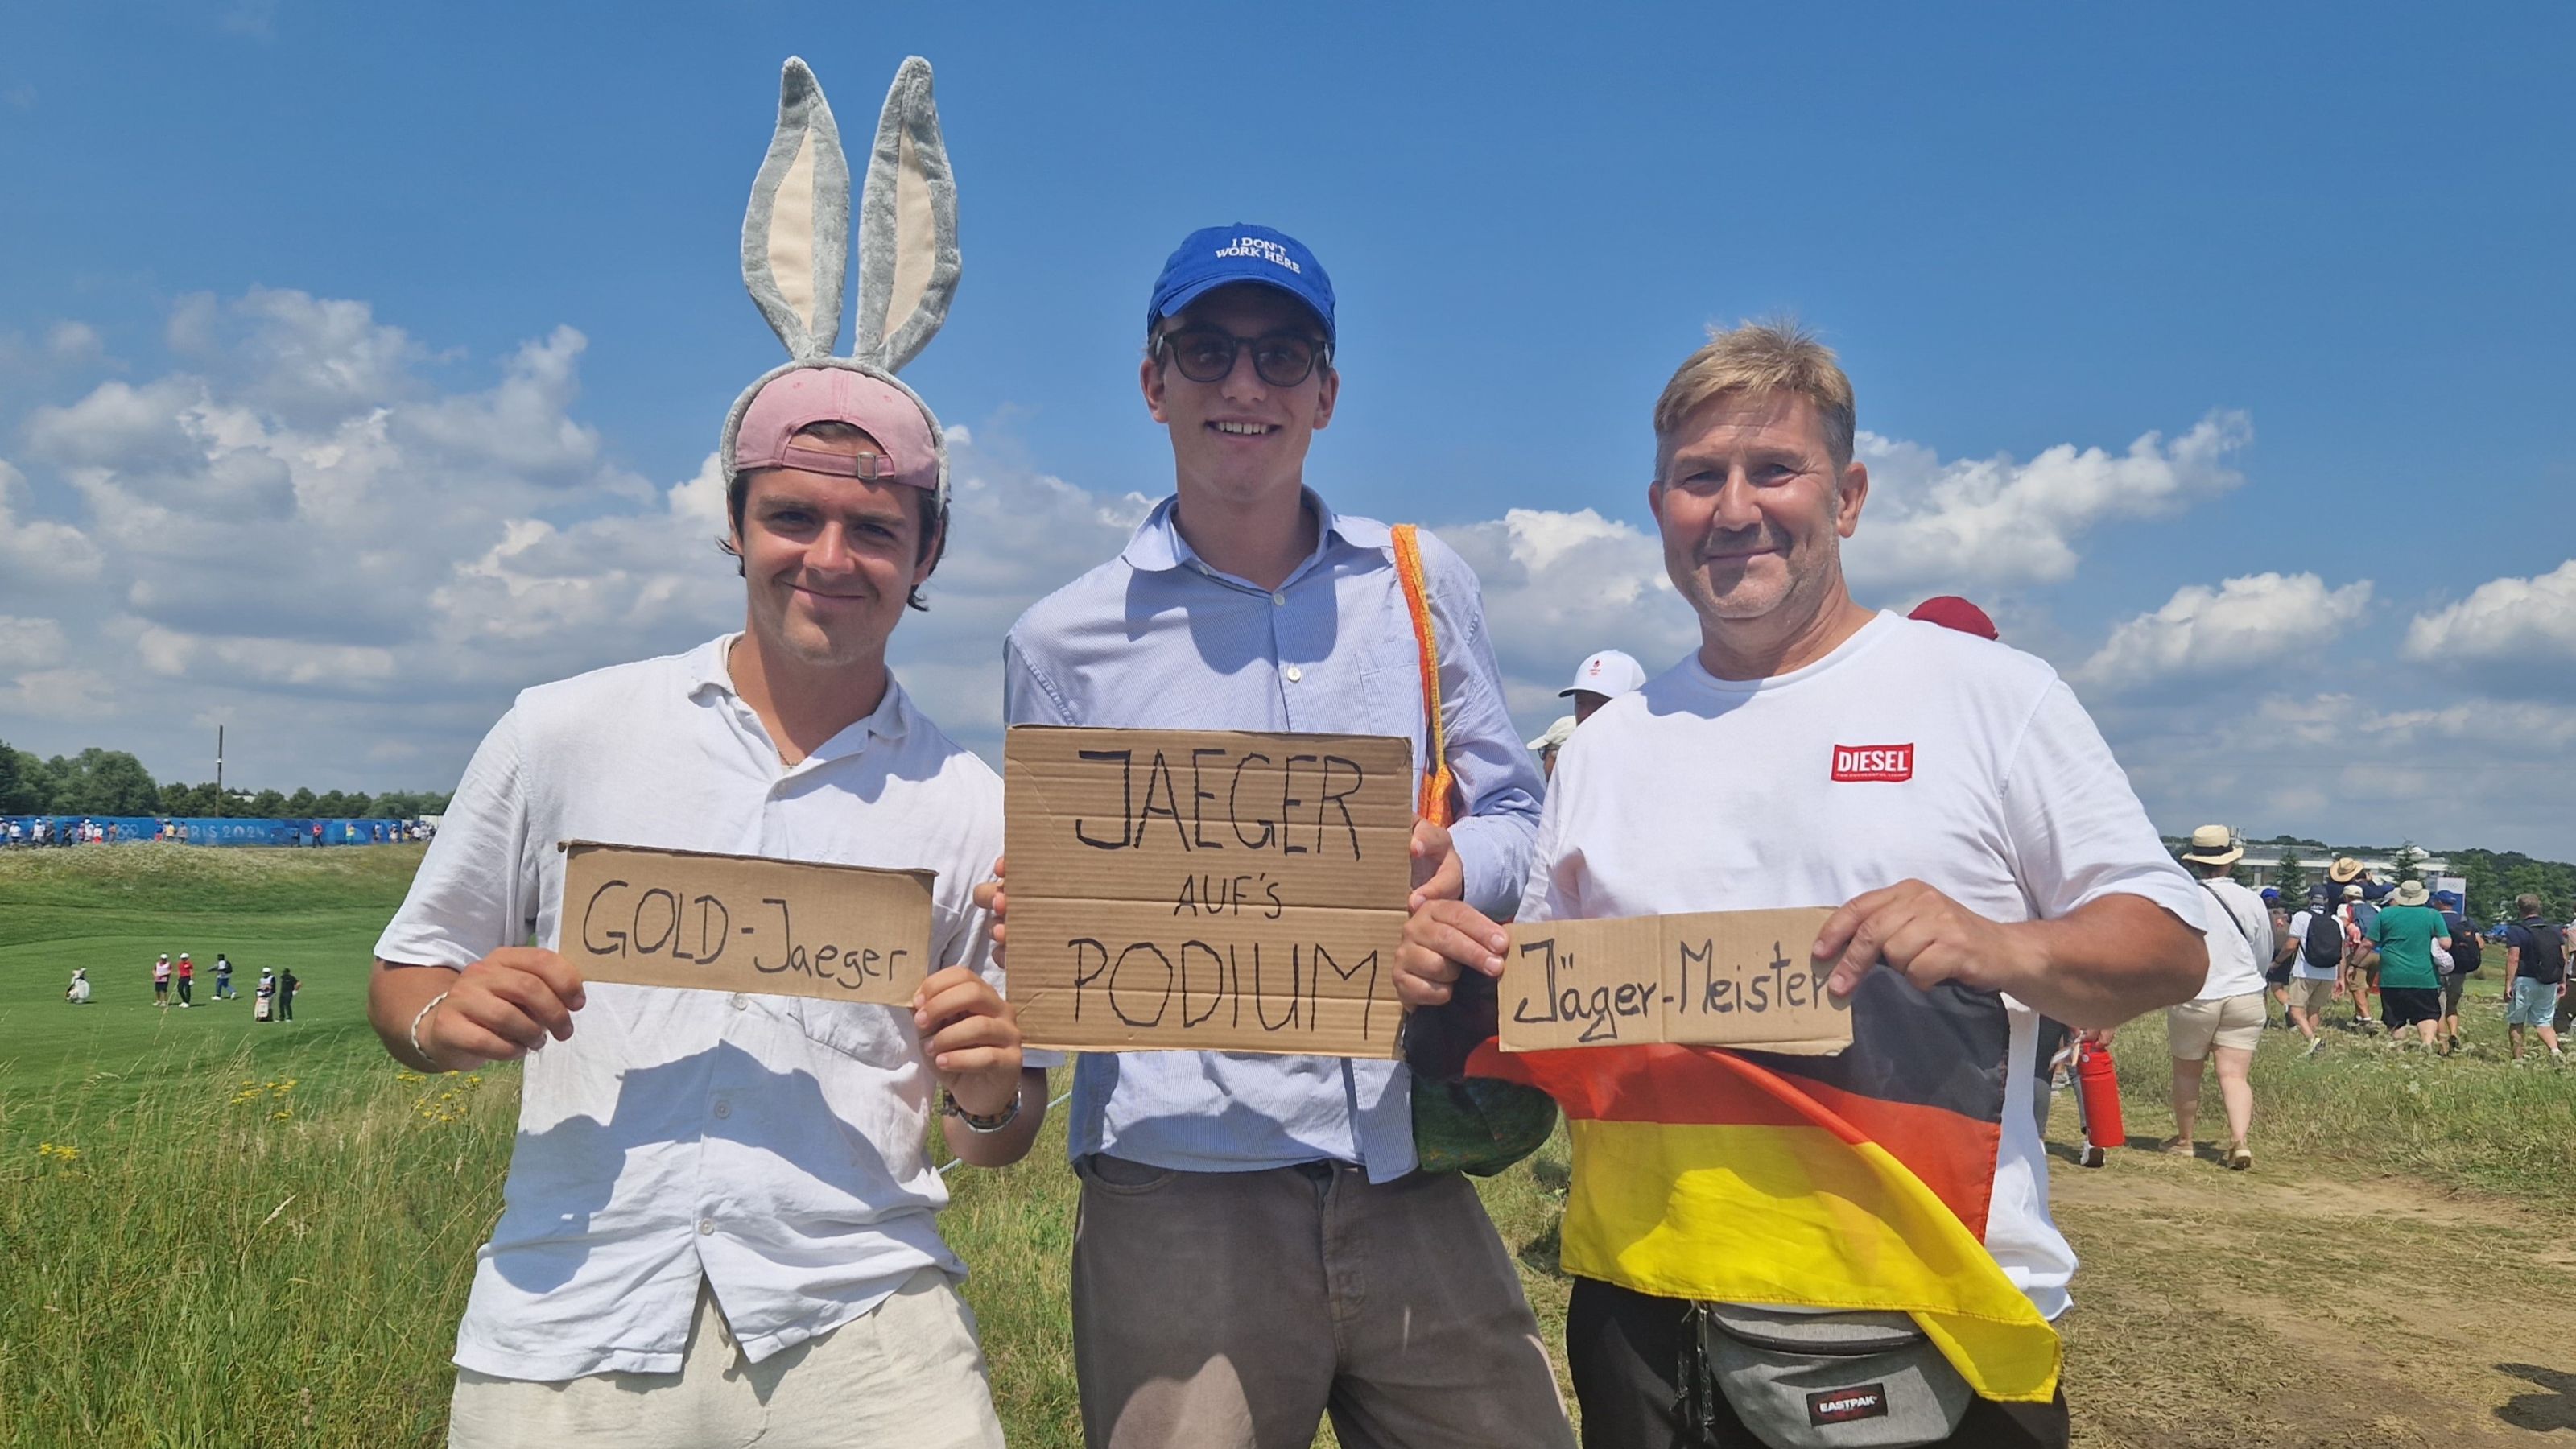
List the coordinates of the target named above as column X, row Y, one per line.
column 2405, row 933
column 1952, row 612
column 1600, row 679
column 2535, row 980
column 2316, row 968
column 2226, row 1019
column 2276, row 972
column 2466, row 954
column 2360, row 956
column 1546, row 745
column 2566, row 999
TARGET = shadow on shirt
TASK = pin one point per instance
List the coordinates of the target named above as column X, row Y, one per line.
column 557, row 1198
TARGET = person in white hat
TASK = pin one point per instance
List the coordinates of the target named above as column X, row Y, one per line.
column 2406, row 933
column 2360, row 957
column 1550, row 741
column 2226, row 1018
column 1600, row 679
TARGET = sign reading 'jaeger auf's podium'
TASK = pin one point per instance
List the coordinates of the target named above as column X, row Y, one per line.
column 1209, row 889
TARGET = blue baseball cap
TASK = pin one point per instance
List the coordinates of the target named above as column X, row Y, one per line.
column 1218, row 256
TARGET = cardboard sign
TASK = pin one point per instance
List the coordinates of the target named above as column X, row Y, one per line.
column 1207, row 889
column 1718, row 978
column 743, row 923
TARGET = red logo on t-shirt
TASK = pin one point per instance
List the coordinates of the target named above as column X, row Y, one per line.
column 1874, row 762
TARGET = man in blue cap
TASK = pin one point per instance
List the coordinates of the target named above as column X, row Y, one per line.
column 1256, row 1245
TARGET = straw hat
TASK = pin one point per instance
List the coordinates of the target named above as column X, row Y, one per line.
column 2213, row 845
column 2411, row 893
column 2344, row 871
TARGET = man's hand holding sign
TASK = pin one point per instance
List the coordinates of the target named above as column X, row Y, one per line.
column 1213, row 889
column 1911, row 928
column 703, row 921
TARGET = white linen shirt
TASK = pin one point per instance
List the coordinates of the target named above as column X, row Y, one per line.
column 772, row 1143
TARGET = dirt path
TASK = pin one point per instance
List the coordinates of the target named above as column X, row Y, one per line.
column 2276, row 1307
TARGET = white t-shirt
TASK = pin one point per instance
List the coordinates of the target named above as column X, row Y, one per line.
column 1962, row 763
column 2300, row 969
column 773, row 1143
column 2236, row 959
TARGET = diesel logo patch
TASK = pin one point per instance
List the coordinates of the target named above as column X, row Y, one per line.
column 1842, row 1406
column 1874, row 762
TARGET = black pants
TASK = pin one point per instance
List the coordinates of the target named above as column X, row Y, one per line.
column 285, row 1004
column 1625, row 1349
column 183, row 990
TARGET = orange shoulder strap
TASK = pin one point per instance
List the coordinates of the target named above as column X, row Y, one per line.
column 1437, row 784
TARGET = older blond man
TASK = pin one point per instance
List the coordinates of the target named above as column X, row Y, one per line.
column 1993, row 866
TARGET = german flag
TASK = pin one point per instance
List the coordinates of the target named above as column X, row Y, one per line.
column 1842, row 1182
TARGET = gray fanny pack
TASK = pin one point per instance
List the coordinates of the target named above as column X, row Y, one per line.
column 1828, row 1380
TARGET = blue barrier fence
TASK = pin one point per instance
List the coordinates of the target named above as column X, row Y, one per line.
column 204, row 830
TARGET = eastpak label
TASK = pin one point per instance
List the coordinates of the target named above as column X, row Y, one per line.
column 1890, row 763
column 1842, row 1406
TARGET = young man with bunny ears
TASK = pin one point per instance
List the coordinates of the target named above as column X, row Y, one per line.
column 1257, row 1247
column 718, row 1226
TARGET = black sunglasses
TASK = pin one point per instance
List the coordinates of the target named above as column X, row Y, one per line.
column 1281, row 359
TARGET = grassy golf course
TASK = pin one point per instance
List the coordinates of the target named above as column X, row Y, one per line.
column 223, row 1233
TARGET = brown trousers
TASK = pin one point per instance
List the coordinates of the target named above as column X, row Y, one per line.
column 1233, row 1310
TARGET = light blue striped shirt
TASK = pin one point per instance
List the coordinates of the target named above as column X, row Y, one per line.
column 1156, row 638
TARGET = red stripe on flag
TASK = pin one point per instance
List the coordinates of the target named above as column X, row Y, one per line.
column 1953, row 1155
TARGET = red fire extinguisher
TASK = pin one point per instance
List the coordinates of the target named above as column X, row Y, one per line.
column 2097, row 1100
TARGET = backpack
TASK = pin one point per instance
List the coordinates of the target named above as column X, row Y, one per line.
column 2545, row 959
column 2465, row 951
column 2324, row 948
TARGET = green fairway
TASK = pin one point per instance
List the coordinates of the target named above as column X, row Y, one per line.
column 112, row 909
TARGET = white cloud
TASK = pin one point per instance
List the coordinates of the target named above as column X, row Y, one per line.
column 310, row 530
column 35, row 551
column 236, row 661
column 74, row 343
column 29, row 643
column 1988, row 523
column 71, row 694
column 2502, row 622
column 1559, row 586
column 2241, row 625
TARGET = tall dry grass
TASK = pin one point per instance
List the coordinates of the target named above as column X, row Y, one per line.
column 222, row 1265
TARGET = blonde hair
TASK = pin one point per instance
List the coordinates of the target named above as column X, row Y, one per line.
column 1756, row 359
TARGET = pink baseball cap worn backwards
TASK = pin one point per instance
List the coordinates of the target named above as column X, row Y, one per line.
column 809, row 395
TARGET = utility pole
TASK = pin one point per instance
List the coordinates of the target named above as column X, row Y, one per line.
column 219, row 759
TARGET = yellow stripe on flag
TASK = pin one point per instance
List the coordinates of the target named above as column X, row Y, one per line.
column 1799, row 1217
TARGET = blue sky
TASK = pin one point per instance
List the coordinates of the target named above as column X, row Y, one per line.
column 2335, row 243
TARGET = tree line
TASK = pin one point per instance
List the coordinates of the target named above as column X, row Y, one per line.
column 113, row 782
column 2494, row 878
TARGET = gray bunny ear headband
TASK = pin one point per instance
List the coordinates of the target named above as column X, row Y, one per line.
column 796, row 240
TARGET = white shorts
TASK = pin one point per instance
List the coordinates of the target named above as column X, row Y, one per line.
column 905, row 1375
column 2231, row 1021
